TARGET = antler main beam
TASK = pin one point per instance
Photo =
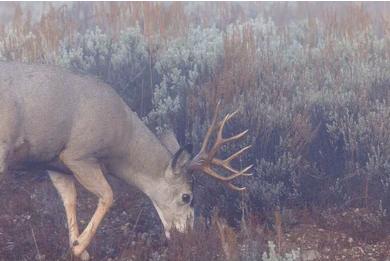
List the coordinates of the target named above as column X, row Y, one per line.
column 205, row 160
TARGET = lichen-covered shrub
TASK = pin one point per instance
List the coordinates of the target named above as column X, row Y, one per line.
column 272, row 255
column 124, row 63
column 276, row 182
column 366, row 138
column 182, row 67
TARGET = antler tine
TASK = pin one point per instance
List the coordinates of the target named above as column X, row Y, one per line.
column 236, row 174
column 220, row 141
column 222, row 124
column 228, row 167
column 226, row 119
column 239, row 173
column 226, row 180
column 211, row 128
column 234, row 187
column 235, row 137
column 235, row 155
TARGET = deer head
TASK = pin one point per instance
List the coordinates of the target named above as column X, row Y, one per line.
column 173, row 199
column 175, row 207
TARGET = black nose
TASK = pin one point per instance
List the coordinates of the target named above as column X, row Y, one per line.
column 186, row 198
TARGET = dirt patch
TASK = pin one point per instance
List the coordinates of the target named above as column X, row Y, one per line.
column 335, row 245
column 33, row 227
column 30, row 208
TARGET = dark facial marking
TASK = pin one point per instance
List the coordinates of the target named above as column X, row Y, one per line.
column 187, row 148
column 186, row 198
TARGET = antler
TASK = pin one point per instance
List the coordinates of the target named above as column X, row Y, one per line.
column 204, row 161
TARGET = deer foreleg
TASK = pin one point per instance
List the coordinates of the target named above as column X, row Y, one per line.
column 89, row 174
column 67, row 191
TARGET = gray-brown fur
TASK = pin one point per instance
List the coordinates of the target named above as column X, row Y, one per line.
column 51, row 116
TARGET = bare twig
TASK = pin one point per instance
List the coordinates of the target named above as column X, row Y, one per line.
column 136, row 221
column 35, row 243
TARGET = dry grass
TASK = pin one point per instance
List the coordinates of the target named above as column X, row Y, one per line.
column 25, row 39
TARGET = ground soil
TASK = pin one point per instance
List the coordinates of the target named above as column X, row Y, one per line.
column 32, row 219
column 33, row 226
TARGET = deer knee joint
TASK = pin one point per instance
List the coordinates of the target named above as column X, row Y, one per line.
column 3, row 161
column 107, row 199
column 3, row 168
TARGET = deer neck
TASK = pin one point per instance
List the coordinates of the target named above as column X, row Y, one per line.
column 144, row 161
column 150, row 179
column 143, row 158
column 143, row 168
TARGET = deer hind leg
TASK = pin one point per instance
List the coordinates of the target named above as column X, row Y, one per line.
column 66, row 189
column 3, row 160
column 89, row 174
column 9, row 130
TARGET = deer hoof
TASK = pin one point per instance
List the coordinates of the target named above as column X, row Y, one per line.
column 84, row 256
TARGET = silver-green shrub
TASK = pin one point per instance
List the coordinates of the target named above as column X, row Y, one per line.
column 272, row 255
column 123, row 63
column 186, row 63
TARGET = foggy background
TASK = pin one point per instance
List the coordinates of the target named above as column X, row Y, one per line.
column 311, row 82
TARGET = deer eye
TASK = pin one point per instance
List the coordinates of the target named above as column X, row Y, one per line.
column 186, row 198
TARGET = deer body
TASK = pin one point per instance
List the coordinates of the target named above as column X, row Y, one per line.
column 73, row 124
column 51, row 116
column 51, row 110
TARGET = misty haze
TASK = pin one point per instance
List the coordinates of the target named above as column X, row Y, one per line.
column 175, row 131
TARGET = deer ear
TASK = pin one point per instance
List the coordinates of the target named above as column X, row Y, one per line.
column 168, row 139
column 181, row 158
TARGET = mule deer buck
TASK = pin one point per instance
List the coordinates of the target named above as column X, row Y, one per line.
column 76, row 126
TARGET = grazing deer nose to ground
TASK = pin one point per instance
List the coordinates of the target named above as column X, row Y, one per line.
column 181, row 225
column 62, row 123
